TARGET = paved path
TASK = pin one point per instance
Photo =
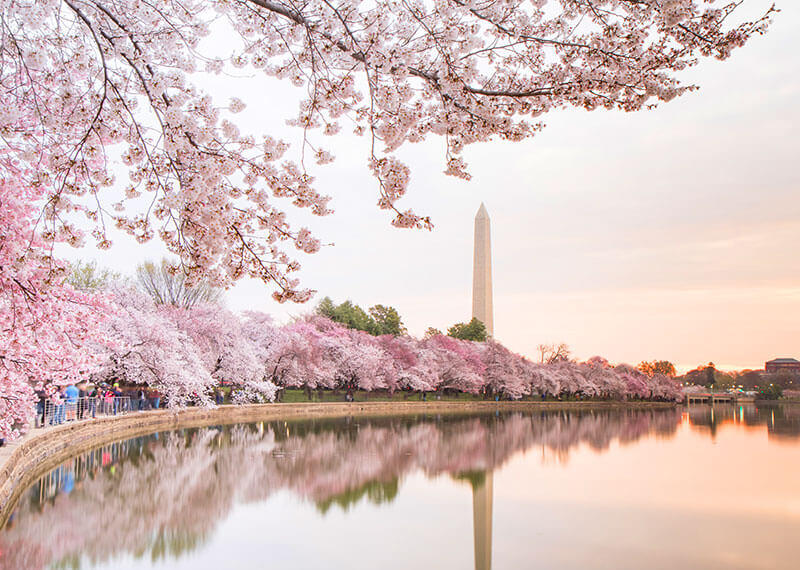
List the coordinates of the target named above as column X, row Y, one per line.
column 8, row 449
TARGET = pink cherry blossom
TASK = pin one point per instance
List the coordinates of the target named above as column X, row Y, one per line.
column 151, row 349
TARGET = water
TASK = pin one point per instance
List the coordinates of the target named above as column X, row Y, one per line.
column 704, row 488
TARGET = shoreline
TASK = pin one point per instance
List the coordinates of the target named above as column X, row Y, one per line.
column 41, row 449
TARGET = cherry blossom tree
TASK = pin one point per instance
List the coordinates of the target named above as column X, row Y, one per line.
column 44, row 323
column 504, row 371
column 226, row 352
column 152, row 349
column 308, row 366
column 602, row 380
column 274, row 346
column 458, row 363
column 424, row 375
column 405, row 363
column 87, row 81
column 637, row 384
column 552, row 379
column 358, row 361
column 665, row 388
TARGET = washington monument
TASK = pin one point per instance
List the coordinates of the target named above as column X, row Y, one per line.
column 482, row 271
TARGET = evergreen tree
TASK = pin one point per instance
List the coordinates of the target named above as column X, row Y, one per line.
column 474, row 330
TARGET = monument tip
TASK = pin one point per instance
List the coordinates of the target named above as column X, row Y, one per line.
column 482, row 212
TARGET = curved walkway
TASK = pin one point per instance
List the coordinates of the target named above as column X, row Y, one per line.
column 41, row 449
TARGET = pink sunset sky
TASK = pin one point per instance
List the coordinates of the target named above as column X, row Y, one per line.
column 664, row 234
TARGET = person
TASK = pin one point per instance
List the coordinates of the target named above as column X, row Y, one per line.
column 108, row 400
column 91, row 399
column 141, row 399
column 41, row 407
column 116, row 394
column 155, row 398
column 220, row 396
column 81, row 399
column 58, row 410
column 71, row 394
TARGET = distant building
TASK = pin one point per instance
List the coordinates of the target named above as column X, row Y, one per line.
column 779, row 364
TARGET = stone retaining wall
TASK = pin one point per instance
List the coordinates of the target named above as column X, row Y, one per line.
column 43, row 449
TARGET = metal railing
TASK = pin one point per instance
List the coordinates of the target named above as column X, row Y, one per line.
column 51, row 413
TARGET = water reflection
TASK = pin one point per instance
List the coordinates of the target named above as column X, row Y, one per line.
column 482, row 509
column 159, row 497
column 782, row 420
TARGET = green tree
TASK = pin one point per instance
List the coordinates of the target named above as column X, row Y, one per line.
column 326, row 308
column 771, row 392
column 387, row 320
column 432, row 332
column 380, row 320
column 473, row 330
column 354, row 317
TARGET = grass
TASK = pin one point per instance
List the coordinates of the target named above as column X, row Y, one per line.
column 295, row 395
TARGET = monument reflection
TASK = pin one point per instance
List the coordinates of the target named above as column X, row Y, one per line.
column 162, row 496
column 482, row 522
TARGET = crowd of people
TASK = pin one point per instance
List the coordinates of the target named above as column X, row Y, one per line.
column 88, row 400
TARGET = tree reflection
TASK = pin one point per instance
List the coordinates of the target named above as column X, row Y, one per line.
column 162, row 495
column 781, row 420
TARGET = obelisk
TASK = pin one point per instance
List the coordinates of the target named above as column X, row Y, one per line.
column 482, row 271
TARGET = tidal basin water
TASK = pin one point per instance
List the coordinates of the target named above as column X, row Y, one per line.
column 677, row 488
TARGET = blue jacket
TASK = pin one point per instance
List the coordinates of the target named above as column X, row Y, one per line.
column 71, row 394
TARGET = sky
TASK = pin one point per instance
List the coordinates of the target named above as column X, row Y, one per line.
column 663, row 234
